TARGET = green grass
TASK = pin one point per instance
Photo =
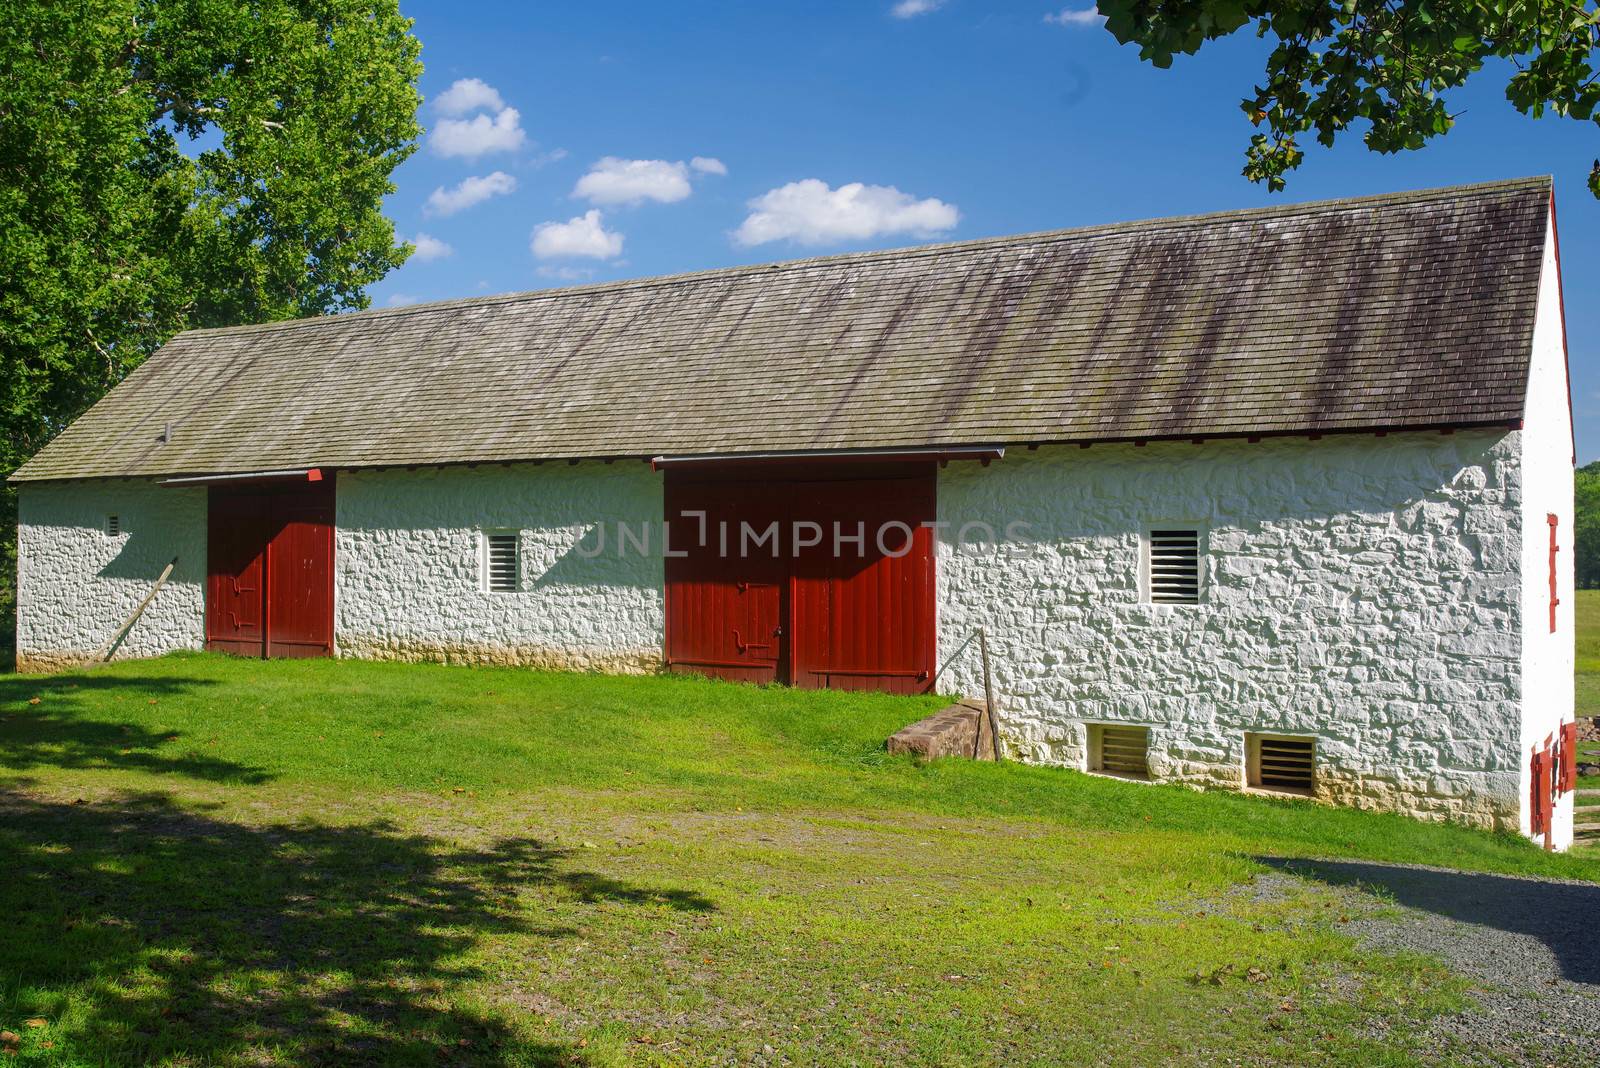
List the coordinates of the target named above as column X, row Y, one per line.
column 216, row 861
column 1587, row 642
column 1587, row 695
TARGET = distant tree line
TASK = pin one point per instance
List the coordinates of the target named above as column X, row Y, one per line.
column 1587, row 526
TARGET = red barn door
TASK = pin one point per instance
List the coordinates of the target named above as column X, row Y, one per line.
column 864, row 606
column 765, row 591
column 270, row 569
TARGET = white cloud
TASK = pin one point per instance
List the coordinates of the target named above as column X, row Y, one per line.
column 631, row 181
column 428, row 248
column 468, row 192
column 910, row 9
column 708, row 165
column 467, row 95
column 583, row 236
column 1075, row 16
column 811, row 213
column 479, row 135
column 399, row 300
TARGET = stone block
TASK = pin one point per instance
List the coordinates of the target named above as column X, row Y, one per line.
column 952, row 731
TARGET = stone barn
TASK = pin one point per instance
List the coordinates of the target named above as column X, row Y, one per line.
column 1277, row 500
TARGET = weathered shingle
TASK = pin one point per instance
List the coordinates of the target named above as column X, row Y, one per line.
column 1413, row 309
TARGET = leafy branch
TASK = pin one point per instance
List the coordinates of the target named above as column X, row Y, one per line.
column 1384, row 63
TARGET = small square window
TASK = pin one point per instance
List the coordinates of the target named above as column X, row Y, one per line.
column 113, row 525
column 1117, row 749
column 1172, row 565
column 1283, row 763
column 501, row 560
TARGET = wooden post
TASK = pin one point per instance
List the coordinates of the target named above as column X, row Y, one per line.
column 988, row 694
column 104, row 652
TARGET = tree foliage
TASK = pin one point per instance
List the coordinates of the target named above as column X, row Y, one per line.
column 183, row 163
column 1384, row 63
column 1586, row 526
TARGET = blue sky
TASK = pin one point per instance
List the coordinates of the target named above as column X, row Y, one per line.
column 596, row 141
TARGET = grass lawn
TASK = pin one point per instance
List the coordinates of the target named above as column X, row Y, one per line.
column 1588, row 652
column 1587, row 696
column 216, row 861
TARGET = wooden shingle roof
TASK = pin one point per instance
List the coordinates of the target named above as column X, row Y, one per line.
column 1408, row 310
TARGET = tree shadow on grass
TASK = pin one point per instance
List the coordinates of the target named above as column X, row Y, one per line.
column 67, row 728
column 181, row 937
column 1563, row 916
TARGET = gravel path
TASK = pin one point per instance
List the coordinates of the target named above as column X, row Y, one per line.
column 1532, row 947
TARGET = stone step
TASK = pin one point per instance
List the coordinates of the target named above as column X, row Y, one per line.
column 955, row 730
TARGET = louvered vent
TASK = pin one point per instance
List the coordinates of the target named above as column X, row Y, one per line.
column 1283, row 763
column 1175, row 566
column 502, row 553
column 1122, row 751
column 113, row 525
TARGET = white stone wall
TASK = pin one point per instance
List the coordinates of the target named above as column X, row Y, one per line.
column 1547, row 462
column 76, row 583
column 408, row 566
column 1362, row 590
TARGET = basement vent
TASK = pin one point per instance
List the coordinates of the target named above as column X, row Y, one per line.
column 501, row 571
column 1119, row 750
column 1285, row 764
column 113, row 525
column 1174, row 566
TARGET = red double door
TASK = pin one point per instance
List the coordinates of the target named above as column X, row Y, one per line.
column 269, row 582
column 806, row 580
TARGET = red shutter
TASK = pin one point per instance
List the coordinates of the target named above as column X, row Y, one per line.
column 1542, row 809
column 1568, row 776
column 1554, row 548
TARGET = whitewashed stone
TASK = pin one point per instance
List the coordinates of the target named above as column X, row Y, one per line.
column 76, row 584
column 408, row 582
column 1325, row 611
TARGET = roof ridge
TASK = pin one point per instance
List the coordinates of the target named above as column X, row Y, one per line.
column 1307, row 207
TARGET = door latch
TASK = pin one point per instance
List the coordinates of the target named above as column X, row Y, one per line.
column 744, row 646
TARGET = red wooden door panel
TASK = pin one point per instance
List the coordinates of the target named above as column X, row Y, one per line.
column 864, row 609
column 269, row 584
column 724, row 608
column 300, row 574
column 235, row 563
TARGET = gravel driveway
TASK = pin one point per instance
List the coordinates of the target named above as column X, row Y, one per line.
column 1532, row 946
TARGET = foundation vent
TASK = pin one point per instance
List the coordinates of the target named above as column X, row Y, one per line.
column 1174, row 566
column 1284, row 764
column 113, row 525
column 501, row 570
column 1118, row 750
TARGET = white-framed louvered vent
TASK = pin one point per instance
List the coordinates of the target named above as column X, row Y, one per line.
column 501, row 570
column 1120, row 750
column 1174, row 565
column 113, row 525
column 1280, row 763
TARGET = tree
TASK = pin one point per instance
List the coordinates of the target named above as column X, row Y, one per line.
column 1586, row 526
column 1387, row 63
column 167, row 164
